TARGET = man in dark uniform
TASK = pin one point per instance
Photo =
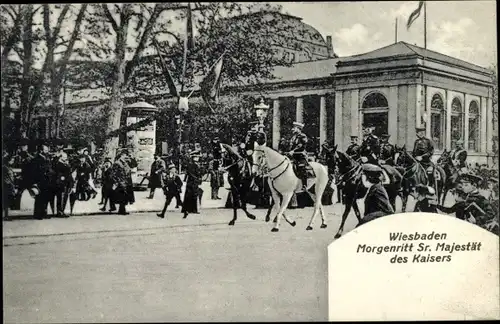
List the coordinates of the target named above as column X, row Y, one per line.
column 122, row 182
column 63, row 182
column 370, row 148
column 41, row 181
column 475, row 208
column 387, row 151
column 297, row 151
column 423, row 149
column 459, row 157
column 376, row 201
column 353, row 149
column 217, row 153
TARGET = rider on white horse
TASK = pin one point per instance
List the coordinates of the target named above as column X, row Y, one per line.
column 298, row 152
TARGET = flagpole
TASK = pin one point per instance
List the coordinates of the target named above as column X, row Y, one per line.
column 425, row 24
column 210, row 69
column 396, row 31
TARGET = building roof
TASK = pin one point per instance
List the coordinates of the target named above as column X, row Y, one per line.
column 305, row 70
column 405, row 49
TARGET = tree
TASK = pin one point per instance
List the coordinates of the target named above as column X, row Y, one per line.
column 121, row 34
column 45, row 41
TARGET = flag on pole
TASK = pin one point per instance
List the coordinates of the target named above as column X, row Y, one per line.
column 210, row 85
column 415, row 14
column 170, row 81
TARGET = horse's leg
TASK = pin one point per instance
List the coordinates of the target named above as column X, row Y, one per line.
column 284, row 205
column 348, row 202
column 244, row 205
column 323, row 217
column 320, row 188
column 234, row 198
column 404, row 200
column 268, row 218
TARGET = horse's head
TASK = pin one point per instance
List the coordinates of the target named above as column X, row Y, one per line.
column 401, row 156
column 342, row 161
column 258, row 158
column 445, row 158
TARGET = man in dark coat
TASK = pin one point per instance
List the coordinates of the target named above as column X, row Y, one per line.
column 474, row 207
column 387, row 151
column 426, row 199
column 423, row 149
column 158, row 168
column 459, row 157
column 107, row 184
column 63, row 182
column 83, row 175
column 193, row 182
column 369, row 150
column 9, row 189
column 172, row 188
column 376, row 201
column 122, row 182
column 353, row 148
column 297, row 151
column 41, row 181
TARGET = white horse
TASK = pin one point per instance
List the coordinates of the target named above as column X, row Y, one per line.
column 283, row 182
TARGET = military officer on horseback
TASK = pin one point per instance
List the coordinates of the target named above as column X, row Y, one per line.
column 459, row 156
column 353, row 149
column 387, row 151
column 297, row 151
column 423, row 149
column 370, row 148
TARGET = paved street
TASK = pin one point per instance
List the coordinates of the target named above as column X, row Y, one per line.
column 111, row 268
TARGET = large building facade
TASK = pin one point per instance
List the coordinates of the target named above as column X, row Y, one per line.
column 394, row 89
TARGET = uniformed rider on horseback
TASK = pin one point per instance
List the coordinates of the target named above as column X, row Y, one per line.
column 423, row 149
column 459, row 157
column 353, row 149
column 369, row 151
column 297, row 151
column 387, row 151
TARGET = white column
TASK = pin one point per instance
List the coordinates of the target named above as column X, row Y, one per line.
column 419, row 105
column 393, row 113
column 299, row 112
column 354, row 112
column 322, row 120
column 466, row 121
column 427, row 108
column 339, row 132
column 276, row 123
column 448, row 119
column 489, row 125
column 483, row 124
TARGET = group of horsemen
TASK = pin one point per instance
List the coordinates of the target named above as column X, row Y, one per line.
column 373, row 150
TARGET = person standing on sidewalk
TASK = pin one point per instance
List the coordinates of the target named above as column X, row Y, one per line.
column 107, row 185
column 41, row 176
column 63, row 182
column 91, row 163
column 9, row 187
column 193, row 181
column 122, row 180
column 158, row 168
column 172, row 188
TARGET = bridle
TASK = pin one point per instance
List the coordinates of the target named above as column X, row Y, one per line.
column 355, row 167
column 261, row 166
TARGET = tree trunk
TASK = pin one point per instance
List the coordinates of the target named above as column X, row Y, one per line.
column 27, row 67
column 116, row 102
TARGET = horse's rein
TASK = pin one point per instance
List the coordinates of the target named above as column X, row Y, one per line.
column 274, row 168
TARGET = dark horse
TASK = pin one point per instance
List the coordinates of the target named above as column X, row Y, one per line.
column 415, row 174
column 352, row 187
column 240, row 179
column 451, row 172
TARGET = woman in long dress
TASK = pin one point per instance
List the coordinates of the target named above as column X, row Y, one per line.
column 193, row 181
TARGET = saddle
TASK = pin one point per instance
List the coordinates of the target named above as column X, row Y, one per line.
column 300, row 167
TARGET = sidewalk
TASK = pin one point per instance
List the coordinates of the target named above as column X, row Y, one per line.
column 142, row 204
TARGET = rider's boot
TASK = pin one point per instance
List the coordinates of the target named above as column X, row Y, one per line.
column 304, row 182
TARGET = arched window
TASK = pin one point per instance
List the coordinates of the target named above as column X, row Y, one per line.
column 375, row 110
column 474, row 126
column 457, row 121
column 438, row 121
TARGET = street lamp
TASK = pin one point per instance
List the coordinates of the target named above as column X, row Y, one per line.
column 261, row 112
